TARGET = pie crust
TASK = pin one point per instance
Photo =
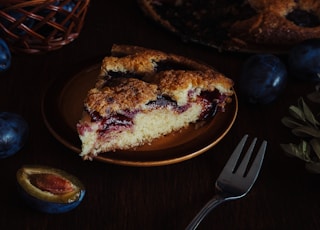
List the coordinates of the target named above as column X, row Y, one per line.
column 143, row 94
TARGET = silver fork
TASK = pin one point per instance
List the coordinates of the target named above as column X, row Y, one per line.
column 235, row 180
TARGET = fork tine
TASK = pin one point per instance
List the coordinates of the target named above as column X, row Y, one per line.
column 232, row 162
column 232, row 185
column 256, row 165
column 244, row 163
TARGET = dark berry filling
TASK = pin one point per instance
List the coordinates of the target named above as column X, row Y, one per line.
column 202, row 19
column 119, row 74
column 162, row 101
column 115, row 122
column 170, row 65
column 303, row 18
column 209, row 104
column 166, row 101
column 95, row 116
column 208, row 100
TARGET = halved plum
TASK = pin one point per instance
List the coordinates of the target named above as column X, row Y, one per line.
column 48, row 189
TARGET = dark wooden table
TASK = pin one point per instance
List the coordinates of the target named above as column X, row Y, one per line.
column 285, row 196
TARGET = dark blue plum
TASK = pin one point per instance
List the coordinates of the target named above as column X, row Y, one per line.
column 69, row 7
column 304, row 60
column 47, row 206
column 262, row 79
column 5, row 56
column 49, row 190
column 60, row 17
column 14, row 131
column 18, row 16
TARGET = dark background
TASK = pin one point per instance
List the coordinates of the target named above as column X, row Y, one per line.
column 168, row 197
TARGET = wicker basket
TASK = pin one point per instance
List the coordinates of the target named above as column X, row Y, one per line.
column 37, row 26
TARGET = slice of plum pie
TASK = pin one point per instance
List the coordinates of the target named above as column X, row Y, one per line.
column 143, row 94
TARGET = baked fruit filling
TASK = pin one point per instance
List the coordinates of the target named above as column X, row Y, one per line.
column 239, row 24
column 304, row 18
column 204, row 19
column 208, row 100
column 144, row 94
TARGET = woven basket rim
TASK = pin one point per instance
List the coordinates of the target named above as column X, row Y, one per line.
column 25, row 3
column 30, row 38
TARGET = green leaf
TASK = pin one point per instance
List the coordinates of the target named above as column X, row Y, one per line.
column 306, row 131
column 303, row 123
column 301, row 151
column 290, row 122
column 297, row 113
column 315, row 144
column 308, row 113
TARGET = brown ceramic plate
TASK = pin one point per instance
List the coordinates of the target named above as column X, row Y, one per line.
column 62, row 108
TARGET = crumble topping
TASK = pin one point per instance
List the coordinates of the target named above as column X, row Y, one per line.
column 142, row 94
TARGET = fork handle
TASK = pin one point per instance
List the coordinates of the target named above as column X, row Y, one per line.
column 211, row 204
